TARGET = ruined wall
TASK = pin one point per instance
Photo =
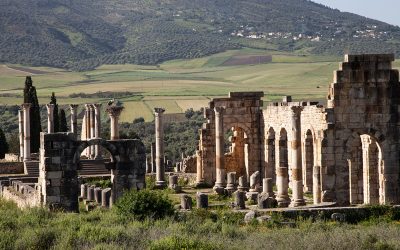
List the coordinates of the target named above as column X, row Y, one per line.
column 241, row 110
column 364, row 99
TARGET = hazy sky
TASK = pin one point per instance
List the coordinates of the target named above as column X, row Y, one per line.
column 382, row 10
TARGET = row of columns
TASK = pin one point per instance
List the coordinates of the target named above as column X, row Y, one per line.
column 91, row 121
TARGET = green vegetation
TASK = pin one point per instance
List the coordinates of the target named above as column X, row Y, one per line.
column 144, row 204
column 83, row 35
column 56, row 115
column 63, row 121
column 3, row 144
column 30, row 96
column 201, row 229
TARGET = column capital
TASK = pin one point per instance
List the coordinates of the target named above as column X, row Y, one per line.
column 50, row 107
column 73, row 107
column 219, row 110
column 26, row 106
column 158, row 111
column 114, row 111
column 297, row 110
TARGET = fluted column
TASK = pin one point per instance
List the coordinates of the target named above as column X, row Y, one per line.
column 219, row 149
column 50, row 118
column 87, row 126
column 97, row 132
column 159, row 129
column 114, row 112
column 21, row 134
column 297, row 176
column 27, row 131
column 74, row 119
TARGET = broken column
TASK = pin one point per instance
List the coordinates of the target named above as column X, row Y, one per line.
column 27, row 131
column 21, row 134
column 297, row 176
column 74, row 119
column 202, row 200
column 97, row 128
column 243, row 184
column 199, row 169
column 240, row 199
column 282, row 184
column 114, row 112
column 219, row 150
column 160, row 168
column 105, row 197
column 50, row 118
column 186, row 202
column 268, row 187
column 254, row 182
column 231, row 182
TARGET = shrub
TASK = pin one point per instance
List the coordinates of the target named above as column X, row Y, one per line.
column 144, row 204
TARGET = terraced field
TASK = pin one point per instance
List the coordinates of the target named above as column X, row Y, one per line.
column 179, row 84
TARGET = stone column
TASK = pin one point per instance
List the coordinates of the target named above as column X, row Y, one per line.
column 297, row 175
column 199, row 168
column 97, row 128
column 50, row 118
column 21, row 134
column 153, row 157
column 114, row 112
column 219, row 149
column 160, row 168
column 27, row 131
column 87, row 132
column 282, row 184
column 317, row 184
column 92, row 130
column 74, row 119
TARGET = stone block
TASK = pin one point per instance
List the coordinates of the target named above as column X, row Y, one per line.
column 202, row 200
column 186, row 202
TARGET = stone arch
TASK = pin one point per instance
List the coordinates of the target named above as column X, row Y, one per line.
column 100, row 142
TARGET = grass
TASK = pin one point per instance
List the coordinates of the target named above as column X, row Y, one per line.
column 187, row 82
column 105, row 229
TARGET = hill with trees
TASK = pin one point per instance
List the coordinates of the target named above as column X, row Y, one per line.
column 84, row 34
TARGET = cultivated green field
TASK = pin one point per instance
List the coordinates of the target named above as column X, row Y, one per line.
column 179, row 84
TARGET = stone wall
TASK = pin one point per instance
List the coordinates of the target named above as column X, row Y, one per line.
column 11, row 168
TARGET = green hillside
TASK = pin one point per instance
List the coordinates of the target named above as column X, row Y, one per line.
column 84, row 34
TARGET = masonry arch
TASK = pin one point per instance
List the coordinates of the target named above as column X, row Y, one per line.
column 236, row 159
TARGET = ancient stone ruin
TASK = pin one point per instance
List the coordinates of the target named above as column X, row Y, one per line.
column 346, row 152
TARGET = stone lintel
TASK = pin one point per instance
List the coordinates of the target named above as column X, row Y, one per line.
column 252, row 95
column 369, row 58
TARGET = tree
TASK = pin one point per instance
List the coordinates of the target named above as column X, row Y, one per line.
column 63, row 121
column 56, row 118
column 30, row 96
column 3, row 144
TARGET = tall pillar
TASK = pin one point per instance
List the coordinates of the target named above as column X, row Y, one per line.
column 21, row 134
column 317, row 184
column 199, row 168
column 97, row 128
column 297, row 175
column 160, row 168
column 27, row 131
column 114, row 112
column 219, row 149
column 50, row 118
column 92, row 131
column 74, row 119
column 87, row 126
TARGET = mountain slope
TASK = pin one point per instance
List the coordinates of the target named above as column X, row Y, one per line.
column 82, row 34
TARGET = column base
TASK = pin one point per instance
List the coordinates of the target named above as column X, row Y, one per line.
column 283, row 201
column 161, row 184
column 298, row 203
column 219, row 189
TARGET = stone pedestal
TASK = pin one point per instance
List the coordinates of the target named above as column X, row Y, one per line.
column 202, row 200
column 105, row 197
column 240, row 198
column 186, row 202
column 27, row 131
column 160, row 166
column 282, row 183
column 219, row 150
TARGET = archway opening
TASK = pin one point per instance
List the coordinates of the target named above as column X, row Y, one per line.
column 95, row 166
column 270, row 160
column 355, row 167
column 236, row 151
column 308, row 162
